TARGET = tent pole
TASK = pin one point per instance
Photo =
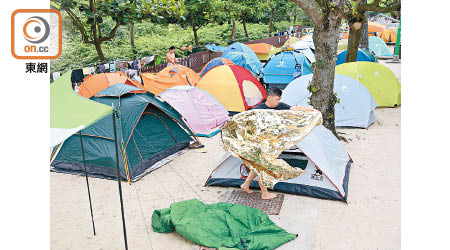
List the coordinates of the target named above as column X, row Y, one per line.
column 118, row 178
column 87, row 181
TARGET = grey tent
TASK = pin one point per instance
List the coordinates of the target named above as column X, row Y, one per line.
column 320, row 153
column 356, row 105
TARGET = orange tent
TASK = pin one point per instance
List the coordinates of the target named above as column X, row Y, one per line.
column 371, row 27
column 92, row 84
column 376, row 27
column 260, row 48
column 388, row 36
column 170, row 76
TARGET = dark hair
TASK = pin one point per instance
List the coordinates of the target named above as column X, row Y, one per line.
column 274, row 91
column 172, row 47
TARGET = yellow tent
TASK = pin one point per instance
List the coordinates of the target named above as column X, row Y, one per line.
column 233, row 86
column 379, row 80
column 264, row 50
column 388, row 36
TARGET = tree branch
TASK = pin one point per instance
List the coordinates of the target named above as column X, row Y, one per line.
column 312, row 9
column 111, row 33
column 76, row 20
column 375, row 6
column 97, row 25
column 387, row 9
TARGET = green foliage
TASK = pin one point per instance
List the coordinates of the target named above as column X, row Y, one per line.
column 337, row 100
column 89, row 17
column 311, row 88
column 197, row 13
column 158, row 24
column 246, row 10
column 150, row 39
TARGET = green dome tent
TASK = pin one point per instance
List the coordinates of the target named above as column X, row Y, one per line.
column 70, row 112
column 377, row 78
column 148, row 131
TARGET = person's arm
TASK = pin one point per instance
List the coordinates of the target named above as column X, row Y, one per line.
column 299, row 108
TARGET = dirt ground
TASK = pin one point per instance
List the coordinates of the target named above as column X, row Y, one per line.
column 370, row 220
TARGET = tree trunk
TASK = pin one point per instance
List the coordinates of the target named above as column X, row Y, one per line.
column 364, row 41
column 272, row 13
column 353, row 42
column 233, row 31
column 133, row 48
column 98, row 47
column 195, row 36
column 245, row 28
column 323, row 98
column 295, row 16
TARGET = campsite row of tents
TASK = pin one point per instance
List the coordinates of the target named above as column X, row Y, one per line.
column 388, row 35
column 159, row 117
column 149, row 130
column 285, row 67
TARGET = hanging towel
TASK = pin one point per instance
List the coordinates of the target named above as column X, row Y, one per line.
column 101, row 68
column 135, row 64
column 85, row 71
column 77, row 76
column 91, row 70
column 131, row 73
column 112, row 67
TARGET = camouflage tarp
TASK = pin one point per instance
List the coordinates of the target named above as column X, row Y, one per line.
column 259, row 136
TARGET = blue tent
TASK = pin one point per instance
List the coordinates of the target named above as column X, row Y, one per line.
column 356, row 105
column 363, row 55
column 379, row 47
column 284, row 67
column 243, row 56
column 213, row 63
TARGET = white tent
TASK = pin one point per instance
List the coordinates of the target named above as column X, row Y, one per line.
column 306, row 47
column 325, row 160
column 304, row 43
column 308, row 53
column 356, row 105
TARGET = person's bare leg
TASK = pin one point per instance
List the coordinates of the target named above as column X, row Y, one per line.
column 248, row 181
column 265, row 195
